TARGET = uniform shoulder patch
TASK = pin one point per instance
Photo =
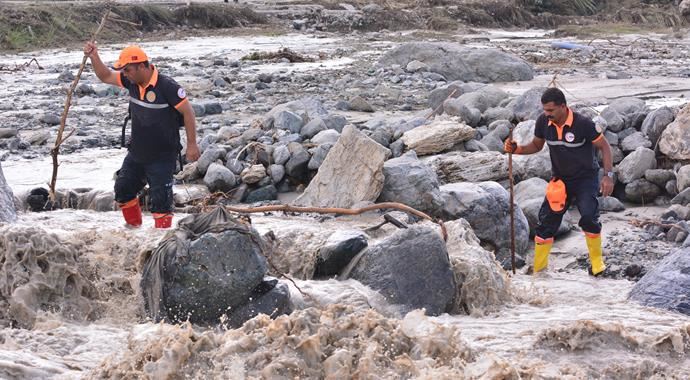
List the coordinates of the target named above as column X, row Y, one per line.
column 598, row 128
column 181, row 93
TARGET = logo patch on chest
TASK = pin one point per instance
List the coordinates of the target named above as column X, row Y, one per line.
column 569, row 137
column 151, row 96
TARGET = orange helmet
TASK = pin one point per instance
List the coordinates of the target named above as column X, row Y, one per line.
column 130, row 54
column 556, row 195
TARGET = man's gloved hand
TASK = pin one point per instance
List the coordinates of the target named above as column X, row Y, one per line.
column 511, row 146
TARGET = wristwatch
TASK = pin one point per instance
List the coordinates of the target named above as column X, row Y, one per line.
column 609, row 174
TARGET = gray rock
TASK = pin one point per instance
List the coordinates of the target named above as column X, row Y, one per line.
column 337, row 252
column 634, row 141
column 440, row 95
column 500, row 129
column 475, row 146
column 675, row 139
column 636, row 164
column 281, row 154
column 611, row 137
column 313, row 127
column 277, row 172
column 351, row 173
column 336, row 122
column 683, row 198
column 8, row 132
column 667, row 284
column 271, row 297
column 359, row 104
column 438, row 136
column 318, row 156
column 484, row 98
column 469, row 166
column 66, row 76
column 492, row 142
column 397, row 148
column 288, row 121
column 219, row 178
column 212, row 108
column 265, row 193
column 307, row 108
column 456, row 62
column 495, row 114
column 610, row 204
column 235, row 166
column 656, row 122
column 671, row 188
column 486, row 207
column 297, row 165
column 382, row 136
column 683, row 178
column 38, row 137
column 199, row 109
column 415, row 66
column 198, row 275
column 209, row 156
column 641, row 191
column 8, row 213
column 456, row 107
column 682, row 212
column 253, row 174
column 614, row 120
column 50, row 119
column 329, row 136
column 528, row 105
column 411, row 182
column 659, row 177
column 228, row 133
column 409, row 268
column 532, row 188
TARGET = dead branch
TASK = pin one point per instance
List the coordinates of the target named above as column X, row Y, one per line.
column 68, row 102
column 342, row 211
column 21, row 66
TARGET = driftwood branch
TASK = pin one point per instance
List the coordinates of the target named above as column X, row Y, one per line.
column 68, row 102
column 342, row 211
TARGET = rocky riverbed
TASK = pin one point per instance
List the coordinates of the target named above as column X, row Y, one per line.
column 346, row 121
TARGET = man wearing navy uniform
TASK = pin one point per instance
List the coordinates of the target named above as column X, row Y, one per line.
column 158, row 106
column 572, row 138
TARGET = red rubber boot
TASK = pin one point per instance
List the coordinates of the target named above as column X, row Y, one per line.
column 132, row 212
column 162, row 220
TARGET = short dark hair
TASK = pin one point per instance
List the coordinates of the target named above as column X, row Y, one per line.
column 554, row 95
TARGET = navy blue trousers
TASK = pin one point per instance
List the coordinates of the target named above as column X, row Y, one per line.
column 134, row 175
column 583, row 193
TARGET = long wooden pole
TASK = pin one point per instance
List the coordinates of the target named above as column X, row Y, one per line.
column 68, row 102
column 512, row 207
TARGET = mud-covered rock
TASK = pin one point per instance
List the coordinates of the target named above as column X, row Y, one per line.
column 667, row 284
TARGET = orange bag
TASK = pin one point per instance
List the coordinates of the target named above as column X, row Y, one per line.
column 556, row 195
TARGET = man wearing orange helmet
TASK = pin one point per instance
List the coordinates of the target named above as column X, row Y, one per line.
column 572, row 138
column 158, row 106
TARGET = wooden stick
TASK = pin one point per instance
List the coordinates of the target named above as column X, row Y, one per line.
column 512, row 207
column 68, row 102
column 343, row 211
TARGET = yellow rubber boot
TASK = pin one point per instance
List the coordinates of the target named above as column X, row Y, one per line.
column 542, row 248
column 595, row 256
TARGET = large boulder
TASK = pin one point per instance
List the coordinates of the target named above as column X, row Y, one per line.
column 352, row 172
column 641, row 191
column 7, row 210
column 482, row 286
column 528, row 105
column 210, row 265
column 531, row 165
column 438, row 136
column 409, row 268
column 656, row 122
column 306, row 108
column 411, row 182
column 675, row 139
column 271, row 297
column 219, row 178
column 486, row 206
column 636, row 164
column 683, row 178
column 337, row 251
column 667, row 284
column 456, row 62
column 632, row 112
column 469, row 166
